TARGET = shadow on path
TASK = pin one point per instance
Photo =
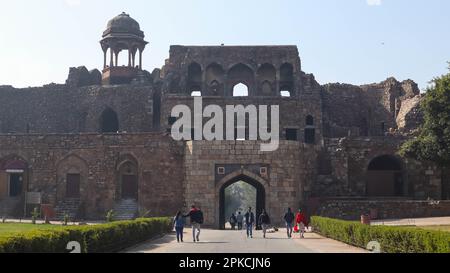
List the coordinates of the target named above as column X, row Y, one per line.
column 216, row 241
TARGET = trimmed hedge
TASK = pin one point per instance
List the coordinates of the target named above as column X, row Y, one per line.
column 392, row 239
column 104, row 238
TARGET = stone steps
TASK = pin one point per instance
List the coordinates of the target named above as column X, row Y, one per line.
column 126, row 209
column 69, row 207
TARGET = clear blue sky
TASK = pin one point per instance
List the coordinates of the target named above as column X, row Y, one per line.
column 351, row 41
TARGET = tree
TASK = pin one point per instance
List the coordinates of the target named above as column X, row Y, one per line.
column 238, row 197
column 433, row 142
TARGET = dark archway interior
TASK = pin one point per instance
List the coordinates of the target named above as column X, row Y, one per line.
column 15, row 184
column 109, row 123
column 241, row 74
column 129, row 181
column 309, row 121
column 73, row 185
column 260, row 197
column 194, row 78
column 385, row 177
column 385, row 163
column 287, row 78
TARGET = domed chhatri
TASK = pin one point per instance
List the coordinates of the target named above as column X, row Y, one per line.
column 123, row 25
column 122, row 33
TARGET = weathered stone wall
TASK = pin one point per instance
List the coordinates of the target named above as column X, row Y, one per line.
column 348, row 161
column 219, row 63
column 410, row 116
column 288, row 173
column 80, row 76
column 293, row 111
column 385, row 209
column 64, row 109
column 55, row 129
column 97, row 158
column 390, row 93
column 346, row 111
column 369, row 110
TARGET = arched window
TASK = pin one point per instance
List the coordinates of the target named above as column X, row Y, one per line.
column 194, row 72
column 128, row 175
column 243, row 74
column 240, row 90
column 214, row 76
column 266, row 75
column 109, row 123
column 14, row 175
column 309, row 121
column 194, row 77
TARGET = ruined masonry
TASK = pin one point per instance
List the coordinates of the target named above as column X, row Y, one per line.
column 102, row 141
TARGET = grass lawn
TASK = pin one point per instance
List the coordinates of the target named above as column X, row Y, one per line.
column 11, row 228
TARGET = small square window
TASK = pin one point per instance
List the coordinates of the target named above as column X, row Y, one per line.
column 292, row 134
column 221, row 170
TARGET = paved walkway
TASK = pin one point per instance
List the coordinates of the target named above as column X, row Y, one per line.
column 220, row 241
column 436, row 221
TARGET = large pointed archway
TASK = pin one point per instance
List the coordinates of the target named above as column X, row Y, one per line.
column 384, row 177
column 249, row 179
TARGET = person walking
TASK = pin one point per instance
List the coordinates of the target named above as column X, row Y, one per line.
column 264, row 221
column 240, row 220
column 179, row 223
column 233, row 221
column 249, row 222
column 196, row 217
column 289, row 220
column 300, row 223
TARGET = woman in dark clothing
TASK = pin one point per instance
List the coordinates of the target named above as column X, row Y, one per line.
column 264, row 221
column 179, row 223
column 233, row 221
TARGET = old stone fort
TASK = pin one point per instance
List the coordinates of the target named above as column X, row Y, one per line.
column 102, row 140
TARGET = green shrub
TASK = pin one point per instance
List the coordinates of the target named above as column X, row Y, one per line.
column 392, row 239
column 103, row 238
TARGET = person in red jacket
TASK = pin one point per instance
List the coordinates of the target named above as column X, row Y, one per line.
column 300, row 223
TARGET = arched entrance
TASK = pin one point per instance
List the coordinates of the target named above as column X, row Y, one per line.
column 260, row 199
column 385, row 177
column 13, row 176
column 109, row 122
column 128, row 177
